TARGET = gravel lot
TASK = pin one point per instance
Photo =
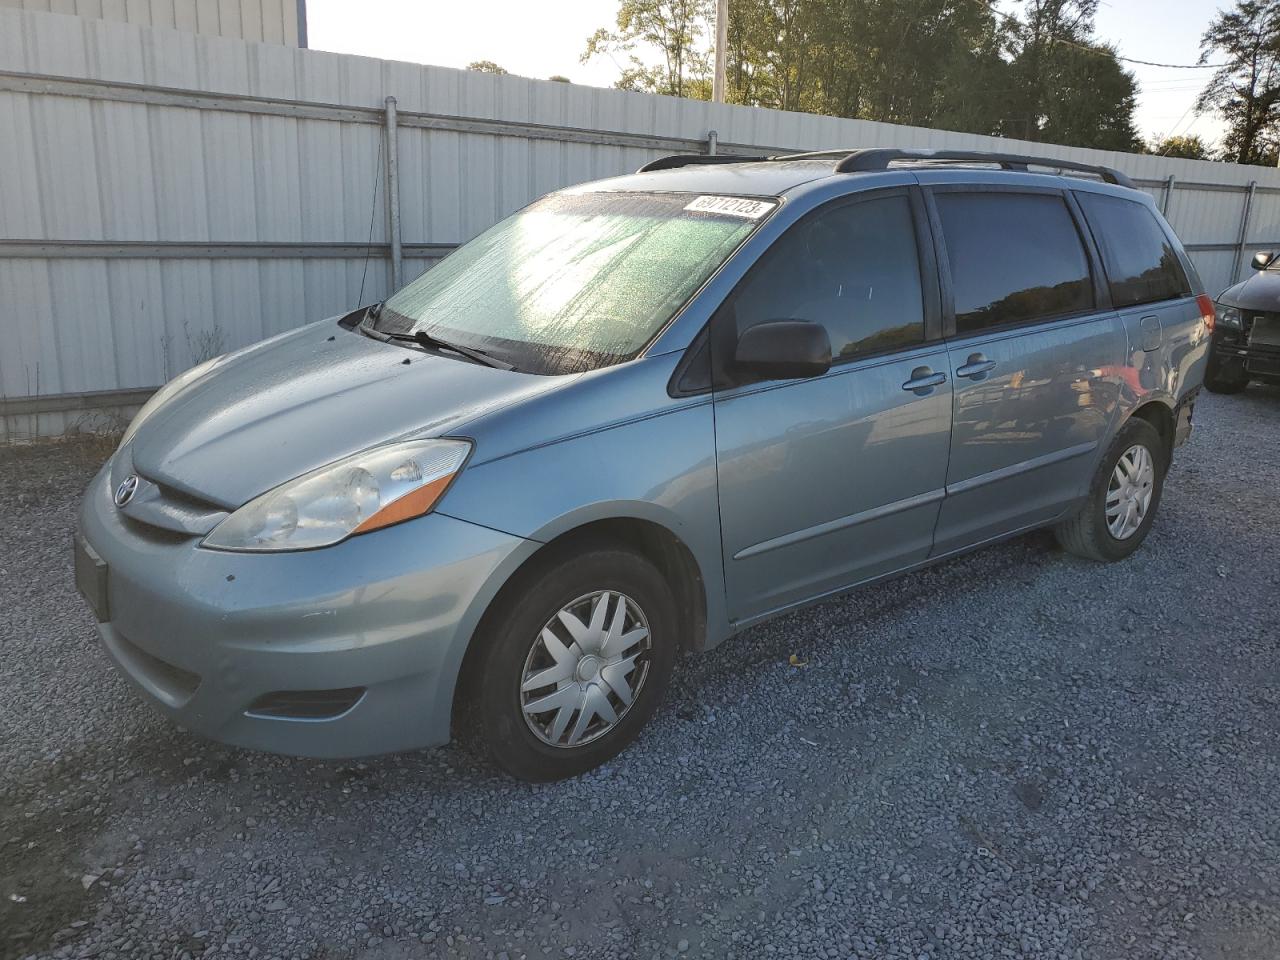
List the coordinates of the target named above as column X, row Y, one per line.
column 1013, row 754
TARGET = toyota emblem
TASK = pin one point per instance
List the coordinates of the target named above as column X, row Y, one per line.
column 128, row 487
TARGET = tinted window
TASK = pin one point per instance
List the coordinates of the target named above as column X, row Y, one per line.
column 1141, row 263
column 854, row 269
column 1015, row 257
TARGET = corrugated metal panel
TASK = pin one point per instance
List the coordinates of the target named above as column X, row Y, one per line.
column 88, row 167
column 265, row 21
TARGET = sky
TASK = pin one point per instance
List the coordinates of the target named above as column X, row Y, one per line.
column 546, row 37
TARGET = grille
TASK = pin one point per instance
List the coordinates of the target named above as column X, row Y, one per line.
column 1263, row 334
column 164, row 508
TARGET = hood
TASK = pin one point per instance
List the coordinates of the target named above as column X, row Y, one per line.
column 1260, row 292
column 287, row 406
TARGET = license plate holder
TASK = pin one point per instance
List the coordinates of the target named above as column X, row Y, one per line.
column 91, row 578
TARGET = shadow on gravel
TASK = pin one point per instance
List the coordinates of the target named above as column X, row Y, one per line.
column 40, row 855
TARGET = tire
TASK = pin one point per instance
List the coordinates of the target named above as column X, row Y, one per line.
column 514, row 650
column 1088, row 534
column 1215, row 382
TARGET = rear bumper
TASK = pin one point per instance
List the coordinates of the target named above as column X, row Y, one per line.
column 371, row 631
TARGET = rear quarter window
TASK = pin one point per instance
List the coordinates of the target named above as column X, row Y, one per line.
column 1141, row 262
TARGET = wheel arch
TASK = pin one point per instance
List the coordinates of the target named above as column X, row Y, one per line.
column 649, row 538
column 1158, row 413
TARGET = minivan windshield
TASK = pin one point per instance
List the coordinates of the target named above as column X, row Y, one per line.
column 575, row 281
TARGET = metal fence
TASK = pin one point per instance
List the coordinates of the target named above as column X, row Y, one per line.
column 168, row 196
column 269, row 21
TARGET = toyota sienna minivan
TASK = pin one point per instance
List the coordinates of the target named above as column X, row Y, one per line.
column 631, row 420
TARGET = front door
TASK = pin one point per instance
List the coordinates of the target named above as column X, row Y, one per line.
column 837, row 479
column 1036, row 355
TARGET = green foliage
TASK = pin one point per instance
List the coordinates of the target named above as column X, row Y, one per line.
column 1246, row 90
column 559, row 79
column 1186, row 147
column 1062, row 86
column 486, row 66
column 677, row 30
column 951, row 64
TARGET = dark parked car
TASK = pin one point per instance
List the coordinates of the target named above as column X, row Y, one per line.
column 1246, row 343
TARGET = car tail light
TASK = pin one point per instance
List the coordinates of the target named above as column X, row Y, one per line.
column 1206, row 312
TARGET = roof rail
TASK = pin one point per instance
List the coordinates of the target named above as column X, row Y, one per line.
column 689, row 159
column 879, row 158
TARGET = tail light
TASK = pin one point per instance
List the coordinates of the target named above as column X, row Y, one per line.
column 1206, row 312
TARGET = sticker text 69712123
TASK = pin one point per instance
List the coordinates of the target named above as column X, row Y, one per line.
column 732, row 206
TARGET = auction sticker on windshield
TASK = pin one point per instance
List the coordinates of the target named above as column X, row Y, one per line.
column 733, row 206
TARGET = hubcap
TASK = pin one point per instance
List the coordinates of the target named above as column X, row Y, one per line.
column 585, row 669
column 1129, row 494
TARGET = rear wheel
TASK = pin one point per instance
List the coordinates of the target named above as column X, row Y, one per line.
column 1123, row 497
column 575, row 659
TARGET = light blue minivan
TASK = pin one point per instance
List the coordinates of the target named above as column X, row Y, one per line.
column 634, row 418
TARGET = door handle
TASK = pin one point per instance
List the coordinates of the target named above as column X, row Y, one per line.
column 923, row 380
column 976, row 367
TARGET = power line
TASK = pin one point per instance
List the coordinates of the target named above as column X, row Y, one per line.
column 1169, row 137
column 1143, row 63
column 1111, row 53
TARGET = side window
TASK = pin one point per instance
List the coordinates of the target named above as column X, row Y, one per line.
column 854, row 269
column 1141, row 264
column 1015, row 258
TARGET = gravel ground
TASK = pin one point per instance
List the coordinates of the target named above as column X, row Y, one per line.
column 1012, row 754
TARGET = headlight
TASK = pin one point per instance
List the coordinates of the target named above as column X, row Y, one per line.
column 1229, row 317
column 159, row 398
column 370, row 490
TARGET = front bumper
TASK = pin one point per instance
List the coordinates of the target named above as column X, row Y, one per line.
column 1233, row 350
column 382, row 619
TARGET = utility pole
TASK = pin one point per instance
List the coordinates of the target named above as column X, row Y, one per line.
column 722, row 41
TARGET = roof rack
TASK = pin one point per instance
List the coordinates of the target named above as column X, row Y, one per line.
column 879, row 158
column 689, row 159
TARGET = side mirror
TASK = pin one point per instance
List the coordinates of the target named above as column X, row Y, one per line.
column 783, row 350
column 1262, row 259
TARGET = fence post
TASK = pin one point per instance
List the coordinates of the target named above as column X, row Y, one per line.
column 1168, row 196
column 393, row 194
column 1243, row 238
column 713, row 141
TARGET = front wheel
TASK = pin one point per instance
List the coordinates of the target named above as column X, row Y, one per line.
column 574, row 660
column 1123, row 497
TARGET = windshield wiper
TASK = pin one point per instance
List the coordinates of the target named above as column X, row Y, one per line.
column 428, row 342
column 435, row 343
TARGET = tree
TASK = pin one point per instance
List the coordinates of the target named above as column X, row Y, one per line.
column 1090, row 100
column 1246, row 89
column 921, row 62
column 486, row 66
column 559, row 79
column 676, row 29
column 956, row 64
column 1065, row 87
column 1186, row 147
